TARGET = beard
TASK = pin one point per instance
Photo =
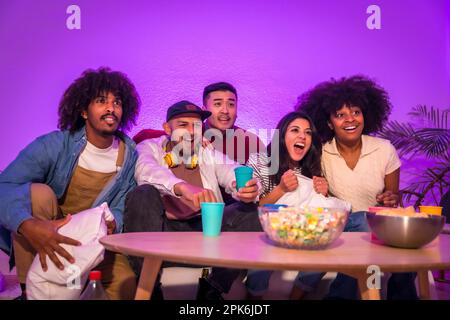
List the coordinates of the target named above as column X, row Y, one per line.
column 108, row 133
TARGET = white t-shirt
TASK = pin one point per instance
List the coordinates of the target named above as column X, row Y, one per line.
column 361, row 185
column 100, row 160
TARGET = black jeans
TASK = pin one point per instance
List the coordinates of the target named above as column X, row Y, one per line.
column 144, row 212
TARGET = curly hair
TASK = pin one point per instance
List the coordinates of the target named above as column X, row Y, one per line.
column 89, row 86
column 310, row 164
column 327, row 97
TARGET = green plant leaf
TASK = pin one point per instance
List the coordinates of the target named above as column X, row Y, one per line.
column 401, row 135
column 433, row 142
column 432, row 181
column 430, row 116
column 413, row 140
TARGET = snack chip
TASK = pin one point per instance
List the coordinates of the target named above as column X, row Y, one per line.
column 402, row 212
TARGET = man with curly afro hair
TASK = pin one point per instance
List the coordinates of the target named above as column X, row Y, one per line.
column 87, row 162
column 359, row 167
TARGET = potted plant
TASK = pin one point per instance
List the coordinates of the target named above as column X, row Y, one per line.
column 424, row 140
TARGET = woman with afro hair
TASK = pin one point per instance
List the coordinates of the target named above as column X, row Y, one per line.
column 359, row 167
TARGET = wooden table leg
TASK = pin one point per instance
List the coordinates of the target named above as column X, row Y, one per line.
column 149, row 273
column 424, row 285
column 366, row 292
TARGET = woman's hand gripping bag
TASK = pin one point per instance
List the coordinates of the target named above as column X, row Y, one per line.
column 305, row 196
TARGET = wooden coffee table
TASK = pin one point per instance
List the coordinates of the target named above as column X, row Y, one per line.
column 352, row 253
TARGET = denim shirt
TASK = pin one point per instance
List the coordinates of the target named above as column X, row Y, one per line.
column 51, row 160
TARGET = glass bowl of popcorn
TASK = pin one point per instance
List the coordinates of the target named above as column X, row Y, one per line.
column 310, row 228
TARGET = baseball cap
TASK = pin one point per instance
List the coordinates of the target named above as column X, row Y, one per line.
column 183, row 107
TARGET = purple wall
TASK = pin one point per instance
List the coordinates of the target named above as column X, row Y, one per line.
column 270, row 50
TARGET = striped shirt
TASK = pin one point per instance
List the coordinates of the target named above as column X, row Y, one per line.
column 260, row 163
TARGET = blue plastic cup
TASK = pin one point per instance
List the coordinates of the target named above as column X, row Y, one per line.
column 212, row 213
column 243, row 175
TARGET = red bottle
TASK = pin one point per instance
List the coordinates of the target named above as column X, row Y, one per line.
column 94, row 289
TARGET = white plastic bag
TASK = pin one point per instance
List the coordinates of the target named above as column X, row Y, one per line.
column 305, row 196
column 87, row 227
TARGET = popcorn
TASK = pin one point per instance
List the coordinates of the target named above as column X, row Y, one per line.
column 305, row 228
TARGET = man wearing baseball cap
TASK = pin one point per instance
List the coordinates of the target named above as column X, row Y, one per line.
column 175, row 173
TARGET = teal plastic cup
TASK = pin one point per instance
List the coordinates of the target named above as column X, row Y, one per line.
column 243, row 175
column 212, row 213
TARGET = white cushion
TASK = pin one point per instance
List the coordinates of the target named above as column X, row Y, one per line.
column 87, row 227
